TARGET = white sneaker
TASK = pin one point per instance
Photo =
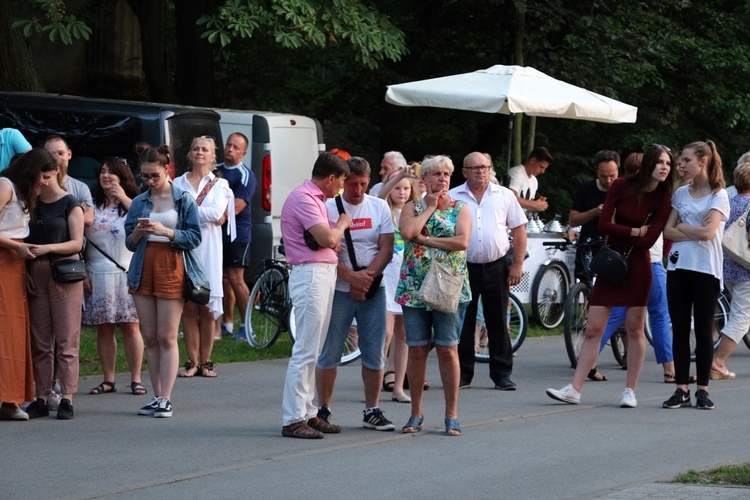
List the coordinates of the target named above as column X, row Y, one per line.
column 567, row 395
column 627, row 399
column 53, row 401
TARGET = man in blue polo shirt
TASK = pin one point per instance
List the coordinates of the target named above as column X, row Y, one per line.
column 12, row 142
column 237, row 253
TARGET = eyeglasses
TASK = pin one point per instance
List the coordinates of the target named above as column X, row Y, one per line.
column 478, row 168
column 150, row 177
column 121, row 160
column 665, row 148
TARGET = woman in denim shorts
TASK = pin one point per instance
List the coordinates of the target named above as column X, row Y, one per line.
column 442, row 224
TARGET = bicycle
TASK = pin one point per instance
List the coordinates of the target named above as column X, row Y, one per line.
column 518, row 325
column 549, row 289
column 270, row 310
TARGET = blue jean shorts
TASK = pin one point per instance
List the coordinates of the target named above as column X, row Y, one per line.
column 421, row 324
column 370, row 316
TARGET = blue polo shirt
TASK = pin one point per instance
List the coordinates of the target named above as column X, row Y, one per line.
column 242, row 182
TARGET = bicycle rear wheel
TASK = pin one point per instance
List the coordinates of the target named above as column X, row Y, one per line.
column 618, row 345
column 351, row 347
column 574, row 320
column 264, row 318
column 518, row 325
column 548, row 292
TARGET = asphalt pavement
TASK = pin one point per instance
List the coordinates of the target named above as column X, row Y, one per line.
column 224, row 440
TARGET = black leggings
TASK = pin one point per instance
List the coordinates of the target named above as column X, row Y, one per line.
column 690, row 293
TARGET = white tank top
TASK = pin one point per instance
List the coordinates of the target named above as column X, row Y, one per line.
column 14, row 222
column 167, row 219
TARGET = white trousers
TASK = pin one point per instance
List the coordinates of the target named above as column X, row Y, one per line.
column 311, row 288
column 739, row 312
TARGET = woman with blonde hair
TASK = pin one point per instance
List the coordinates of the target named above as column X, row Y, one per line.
column 212, row 196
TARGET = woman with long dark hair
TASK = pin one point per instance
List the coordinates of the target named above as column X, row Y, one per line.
column 108, row 304
column 632, row 218
column 17, row 200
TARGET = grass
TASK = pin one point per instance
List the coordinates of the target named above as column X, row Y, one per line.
column 726, row 475
column 226, row 350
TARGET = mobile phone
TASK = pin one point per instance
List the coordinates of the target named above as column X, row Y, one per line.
column 144, row 220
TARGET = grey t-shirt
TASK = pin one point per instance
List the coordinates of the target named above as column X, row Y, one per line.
column 79, row 190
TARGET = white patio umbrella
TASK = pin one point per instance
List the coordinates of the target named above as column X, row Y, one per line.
column 510, row 90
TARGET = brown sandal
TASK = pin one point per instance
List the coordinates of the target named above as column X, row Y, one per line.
column 301, row 430
column 206, row 369
column 190, row 369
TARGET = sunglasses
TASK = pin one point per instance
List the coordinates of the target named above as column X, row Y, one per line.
column 150, row 177
column 662, row 146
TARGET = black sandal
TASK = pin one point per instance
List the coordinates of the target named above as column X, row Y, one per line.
column 189, row 365
column 137, row 389
column 388, row 386
column 100, row 389
column 592, row 376
column 206, row 369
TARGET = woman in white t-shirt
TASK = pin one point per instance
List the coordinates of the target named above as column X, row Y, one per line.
column 694, row 277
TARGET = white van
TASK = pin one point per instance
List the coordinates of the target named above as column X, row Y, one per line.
column 282, row 151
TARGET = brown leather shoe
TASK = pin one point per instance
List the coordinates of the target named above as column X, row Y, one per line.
column 301, row 430
column 321, row 425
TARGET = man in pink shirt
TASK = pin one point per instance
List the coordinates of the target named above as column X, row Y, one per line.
column 310, row 244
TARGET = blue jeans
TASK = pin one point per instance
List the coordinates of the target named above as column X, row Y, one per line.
column 658, row 310
column 419, row 324
column 370, row 315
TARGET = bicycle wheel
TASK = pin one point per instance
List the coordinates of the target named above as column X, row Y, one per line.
column 574, row 320
column 266, row 308
column 551, row 286
column 351, row 347
column 618, row 345
column 518, row 325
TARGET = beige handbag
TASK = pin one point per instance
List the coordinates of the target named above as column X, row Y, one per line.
column 441, row 287
column 735, row 241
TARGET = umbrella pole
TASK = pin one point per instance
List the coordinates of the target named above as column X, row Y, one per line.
column 510, row 141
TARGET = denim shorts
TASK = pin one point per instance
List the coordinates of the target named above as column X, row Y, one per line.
column 370, row 316
column 420, row 325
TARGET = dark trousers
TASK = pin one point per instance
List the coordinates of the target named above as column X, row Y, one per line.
column 692, row 293
column 490, row 283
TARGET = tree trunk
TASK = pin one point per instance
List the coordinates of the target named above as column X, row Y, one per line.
column 152, row 19
column 18, row 73
column 518, row 52
column 194, row 72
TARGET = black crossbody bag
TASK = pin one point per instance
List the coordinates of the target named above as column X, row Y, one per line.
column 350, row 246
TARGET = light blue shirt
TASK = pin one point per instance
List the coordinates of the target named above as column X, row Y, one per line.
column 12, row 142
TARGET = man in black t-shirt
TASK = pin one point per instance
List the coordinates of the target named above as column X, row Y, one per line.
column 589, row 199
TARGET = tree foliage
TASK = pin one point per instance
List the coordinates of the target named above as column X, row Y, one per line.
column 55, row 23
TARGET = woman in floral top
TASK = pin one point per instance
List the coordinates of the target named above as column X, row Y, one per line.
column 107, row 302
column 441, row 223
column 737, row 280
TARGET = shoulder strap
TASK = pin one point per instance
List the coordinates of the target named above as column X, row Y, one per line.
column 205, row 190
column 106, row 255
column 347, row 235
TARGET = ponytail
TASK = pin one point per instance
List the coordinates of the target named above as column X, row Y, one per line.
column 713, row 164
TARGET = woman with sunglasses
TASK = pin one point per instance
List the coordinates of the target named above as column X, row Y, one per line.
column 212, row 195
column 694, row 267
column 161, row 228
column 632, row 218
column 107, row 302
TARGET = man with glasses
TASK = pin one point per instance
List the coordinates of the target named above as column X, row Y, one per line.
column 237, row 253
column 494, row 211
column 523, row 180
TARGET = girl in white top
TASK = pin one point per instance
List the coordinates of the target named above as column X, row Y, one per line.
column 401, row 188
column 213, row 195
column 694, row 277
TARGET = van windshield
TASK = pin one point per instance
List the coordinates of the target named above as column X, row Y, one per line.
column 182, row 128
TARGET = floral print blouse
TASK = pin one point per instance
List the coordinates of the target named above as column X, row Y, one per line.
column 417, row 257
column 733, row 272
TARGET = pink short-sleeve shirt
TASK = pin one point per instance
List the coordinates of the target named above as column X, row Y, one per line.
column 304, row 208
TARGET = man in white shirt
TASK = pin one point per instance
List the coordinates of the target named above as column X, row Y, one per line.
column 494, row 211
column 371, row 238
column 523, row 180
column 392, row 161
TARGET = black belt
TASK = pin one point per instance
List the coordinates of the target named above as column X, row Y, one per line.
column 486, row 264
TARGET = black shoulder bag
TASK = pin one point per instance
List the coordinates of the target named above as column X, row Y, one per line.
column 611, row 265
column 350, row 246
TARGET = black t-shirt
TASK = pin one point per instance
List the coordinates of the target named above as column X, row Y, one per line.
column 49, row 222
column 587, row 197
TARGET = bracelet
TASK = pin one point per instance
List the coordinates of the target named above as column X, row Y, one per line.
column 426, row 238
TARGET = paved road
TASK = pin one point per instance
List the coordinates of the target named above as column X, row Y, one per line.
column 224, row 440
